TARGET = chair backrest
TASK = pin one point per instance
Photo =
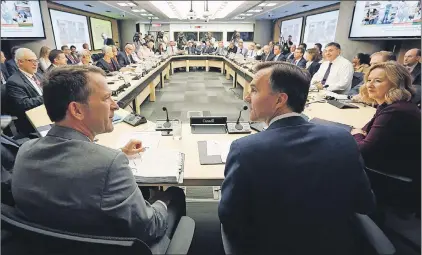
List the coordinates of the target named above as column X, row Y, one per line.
column 42, row 240
column 357, row 78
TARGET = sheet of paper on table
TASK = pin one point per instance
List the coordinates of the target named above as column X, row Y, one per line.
column 220, row 148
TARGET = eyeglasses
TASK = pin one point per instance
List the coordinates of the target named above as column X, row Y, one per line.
column 33, row 61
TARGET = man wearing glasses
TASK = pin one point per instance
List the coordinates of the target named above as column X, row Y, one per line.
column 23, row 89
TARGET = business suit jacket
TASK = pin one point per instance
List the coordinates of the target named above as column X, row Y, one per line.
column 11, row 66
column 220, row 51
column 292, row 188
column 105, row 66
column 123, row 59
column 208, row 50
column 71, row 60
column 191, row 50
column 4, row 71
column 234, row 50
column 21, row 97
column 416, row 74
column 242, row 51
column 97, row 195
column 280, row 58
column 268, row 57
column 313, row 68
column 301, row 63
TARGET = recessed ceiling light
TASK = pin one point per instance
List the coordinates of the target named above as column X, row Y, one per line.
column 271, row 4
column 144, row 14
column 88, row 5
column 255, row 11
column 242, row 14
column 136, row 10
column 248, row 14
column 131, row 4
column 263, row 4
column 239, row 18
column 123, row 4
column 149, row 14
column 154, row 18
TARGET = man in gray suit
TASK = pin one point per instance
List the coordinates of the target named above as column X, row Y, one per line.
column 67, row 182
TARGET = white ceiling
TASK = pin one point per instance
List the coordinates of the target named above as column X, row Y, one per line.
column 176, row 11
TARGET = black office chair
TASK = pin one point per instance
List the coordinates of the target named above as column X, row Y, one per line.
column 28, row 238
column 397, row 192
column 97, row 56
column 370, row 235
column 357, row 78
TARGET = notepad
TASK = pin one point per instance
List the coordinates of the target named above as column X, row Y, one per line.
column 220, row 148
column 158, row 166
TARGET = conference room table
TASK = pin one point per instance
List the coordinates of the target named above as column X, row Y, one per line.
column 196, row 174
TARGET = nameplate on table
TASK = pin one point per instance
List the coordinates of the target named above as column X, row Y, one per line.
column 208, row 125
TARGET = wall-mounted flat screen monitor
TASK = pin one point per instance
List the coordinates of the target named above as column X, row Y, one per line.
column 189, row 35
column 245, row 36
column 69, row 29
column 292, row 27
column 21, row 20
column 99, row 27
column 320, row 28
column 386, row 20
column 218, row 36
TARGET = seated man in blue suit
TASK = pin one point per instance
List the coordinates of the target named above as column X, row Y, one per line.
column 292, row 188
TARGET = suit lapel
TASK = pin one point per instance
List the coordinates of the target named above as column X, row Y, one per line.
column 29, row 84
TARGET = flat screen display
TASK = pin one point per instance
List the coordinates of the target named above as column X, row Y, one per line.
column 21, row 19
column 292, row 27
column 320, row 28
column 98, row 27
column 386, row 19
column 69, row 29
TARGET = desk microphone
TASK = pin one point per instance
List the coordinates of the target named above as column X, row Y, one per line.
column 238, row 125
column 167, row 124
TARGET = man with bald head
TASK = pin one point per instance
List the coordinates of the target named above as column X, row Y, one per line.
column 125, row 58
column 23, row 89
column 411, row 62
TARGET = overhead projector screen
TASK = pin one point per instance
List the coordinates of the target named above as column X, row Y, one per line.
column 386, row 20
column 99, row 26
column 21, row 19
column 69, row 29
column 292, row 27
column 320, row 28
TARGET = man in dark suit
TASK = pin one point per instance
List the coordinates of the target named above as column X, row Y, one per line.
column 208, row 49
column 99, row 195
column 291, row 55
column 298, row 59
column 67, row 52
column 267, row 56
column 11, row 64
column 57, row 58
column 125, row 58
column 24, row 90
column 411, row 62
column 191, row 49
column 292, row 188
column 277, row 53
column 4, row 73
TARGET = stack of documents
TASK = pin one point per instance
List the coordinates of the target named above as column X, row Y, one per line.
column 158, row 166
column 154, row 165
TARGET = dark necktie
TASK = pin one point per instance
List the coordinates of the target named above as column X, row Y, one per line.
column 324, row 79
column 131, row 60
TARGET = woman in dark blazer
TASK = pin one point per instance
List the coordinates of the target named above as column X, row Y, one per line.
column 312, row 57
column 391, row 141
column 107, row 63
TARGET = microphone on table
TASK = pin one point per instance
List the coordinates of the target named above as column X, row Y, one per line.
column 166, row 124
column 238, row 125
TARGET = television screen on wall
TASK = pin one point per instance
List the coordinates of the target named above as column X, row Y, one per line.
column 245, row 36
column 386, row 20
column 21, row 20
column 320, row 28
column 292, row 27
column 98, row 27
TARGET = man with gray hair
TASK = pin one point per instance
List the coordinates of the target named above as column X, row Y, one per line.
column 23, row 89
column 97, row 195
column 268, row 56
column 125, row 58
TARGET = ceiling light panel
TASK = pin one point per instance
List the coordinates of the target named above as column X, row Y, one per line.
column 255, row 11
column 271, row 4
column 131, row 4
column 248, row 14
column 180, row 9
column 122, row 4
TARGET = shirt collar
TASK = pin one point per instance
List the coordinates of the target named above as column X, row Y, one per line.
column 282, row 116
column 412, row 67
column 27, row 74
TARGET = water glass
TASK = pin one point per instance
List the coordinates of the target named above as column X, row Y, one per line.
column 177, row 131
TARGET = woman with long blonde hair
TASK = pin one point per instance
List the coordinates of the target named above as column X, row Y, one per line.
column 43, row 58
column 391, row 141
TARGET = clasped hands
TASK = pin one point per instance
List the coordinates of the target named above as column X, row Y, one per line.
column 133, row 147
column 355, row 131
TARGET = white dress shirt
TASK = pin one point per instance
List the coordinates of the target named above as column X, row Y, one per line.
column 44, row 63
column 282, row 116
column 171, row 50
column 251, row 53
column 340, row 77
column 31, row 80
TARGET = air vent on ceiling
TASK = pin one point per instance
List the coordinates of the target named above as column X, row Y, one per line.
column 89, row 5
column 305, row 5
